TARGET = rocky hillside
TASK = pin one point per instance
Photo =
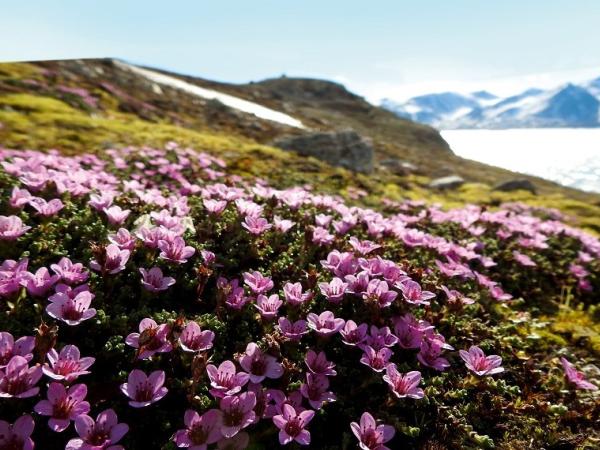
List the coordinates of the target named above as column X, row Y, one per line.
column 97, row 104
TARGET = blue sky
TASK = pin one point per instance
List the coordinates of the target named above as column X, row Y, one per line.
column 378, row 48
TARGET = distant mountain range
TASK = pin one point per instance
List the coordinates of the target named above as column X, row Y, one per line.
column 568, row 106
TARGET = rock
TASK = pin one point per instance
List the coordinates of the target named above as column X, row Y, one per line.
column 449, row 182
column 516, row 185
column 398, row 167
column 342, row 148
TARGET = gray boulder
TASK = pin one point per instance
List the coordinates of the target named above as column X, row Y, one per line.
column 342, row 148
column 516, row 185
column 449, row 182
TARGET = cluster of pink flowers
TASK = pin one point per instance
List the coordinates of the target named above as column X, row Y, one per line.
column 351, row 304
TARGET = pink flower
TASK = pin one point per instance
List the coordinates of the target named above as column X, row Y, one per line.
column 334, row 290
column 256, row 225
column 39, row 283
column 477, row 362
column 292, row 425
column 45, row 208
column 201, row 430
column 18, row 435
column 370, row 435
column 225, row 380
column 376, row 360
column 175, row 250
column 11, row 274
column 11, row 228
column 575, row 377
column 257, row 282
column 19, row 380
column 102, row 434
column 19, row 197
column 523, row 259
column 353, row 334
column 215, row 207
column 381, row 337
column 357, row 284
column 292, row 331
column 260, row 365
column 116, row 215
column 363, row 247
column 268, row 306
column 282, row 225
column 193, row 339
column 403, row 385
column 115, row 260
column 294, row 295
column 237, row 413
column 122, row 239
column 318, row 364
column 142, row 389
column 9, row 347
column 151, row 339
column 316, row 390
column 379, row 292
column 154, row 281
column 101, row 201
column 412, row 293
column 67, row 365
column 72, row 311
column 325, row 324
column 455, row 297
column 321, row 236
column 70, row 273
column 410, row 331
column 63, row 405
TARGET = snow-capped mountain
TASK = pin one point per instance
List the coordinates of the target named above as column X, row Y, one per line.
column 569, row 106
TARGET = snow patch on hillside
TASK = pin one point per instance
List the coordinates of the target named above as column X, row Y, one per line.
column 228, row 100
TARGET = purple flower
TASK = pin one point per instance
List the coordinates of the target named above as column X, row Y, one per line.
column 154, row 281
column 9, row 347
column 225, row 380
column 38, row 283
column 70, row 273
column 292, row 425
column 321, row 236
column 376, row 360
column 193, row 339
column 410, row 331
column 334, row 290
column 370, row 435
column 45, row 208
column 294, row 295
column 292, row 331
column 67, row 365
column 18, row 435
column 201, row 430
column 237, row 413
column 316, row 390
column 268, row 306
column 379, row 292
column 413, row 294
column 11, row 228
column 260, row 365
column 256, row 225
column 122, row 239
column 11, row 273
column 115, row 260
column 215, row 207
column 381, row 337
column 116, row 215
column 403, row 385
column 429, row 355
column 72, row 311
column 19, row 380
column 455, row 297
column 478, row 363
column 19, row 197
column 142, row 389
column 175, row 250
column 257, row 282
column 102, row 434
column 363, row 247
column 575, row 377
column 325, row 324
column 318, row 364
column 353, row 334
column 101, row 201
column 63, row 405
column 283, row 225
column 151, row 339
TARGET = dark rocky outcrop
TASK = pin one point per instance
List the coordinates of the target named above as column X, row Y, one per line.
column 516, row 185
column 342, row 148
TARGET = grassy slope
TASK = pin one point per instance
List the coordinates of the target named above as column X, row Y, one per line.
column 41, row 117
